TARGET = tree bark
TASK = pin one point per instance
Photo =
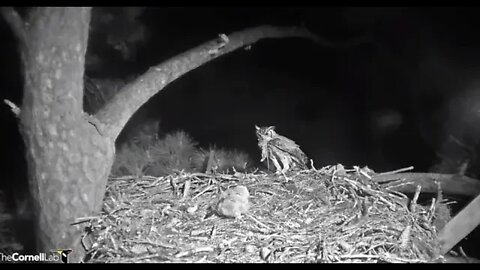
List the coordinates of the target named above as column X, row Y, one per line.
column 68, row 160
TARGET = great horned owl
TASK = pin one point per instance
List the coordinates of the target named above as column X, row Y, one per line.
column 284, row 153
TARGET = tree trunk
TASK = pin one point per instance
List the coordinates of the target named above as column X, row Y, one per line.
column 68, row 160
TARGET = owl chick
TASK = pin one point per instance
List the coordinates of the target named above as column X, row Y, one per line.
column 284, row 153
column 233, row 202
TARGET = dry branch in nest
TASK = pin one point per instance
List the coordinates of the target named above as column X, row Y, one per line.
column 326, row 215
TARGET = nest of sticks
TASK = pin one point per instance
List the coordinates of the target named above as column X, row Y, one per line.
column 323, row 215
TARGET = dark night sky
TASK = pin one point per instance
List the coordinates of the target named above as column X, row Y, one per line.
column 326, row 99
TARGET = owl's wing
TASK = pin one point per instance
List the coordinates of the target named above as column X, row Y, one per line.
column 285, row 143
column 290, row 147
column 300, row 155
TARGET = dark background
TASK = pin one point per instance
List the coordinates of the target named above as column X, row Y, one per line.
column 389, row 102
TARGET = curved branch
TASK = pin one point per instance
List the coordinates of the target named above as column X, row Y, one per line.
column 15, row 22
column 115, row 114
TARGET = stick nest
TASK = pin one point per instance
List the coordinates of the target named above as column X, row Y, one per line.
column 310, row 216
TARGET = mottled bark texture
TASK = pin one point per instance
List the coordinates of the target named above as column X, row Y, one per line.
column 70, row 153
column 68, row 160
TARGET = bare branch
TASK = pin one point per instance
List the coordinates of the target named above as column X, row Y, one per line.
column 451, row 184
column 16, row 23
column 123, row 105
column 460, row 226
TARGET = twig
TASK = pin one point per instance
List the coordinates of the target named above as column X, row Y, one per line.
column 360, row 256
column 114, row 243
column 313, row 166
column 146, row 257
column 431, row 210
column 452, row 184
column 405, row 237
column 201, row 192
column 259, row 223
column 81, row 220
column 148, row 242
column 194, row 251
column 362, row 172
column 186, row 188
column 15, row 109
column 285, row 176
column 415, row 198
column 394, row 185
column 397, row 171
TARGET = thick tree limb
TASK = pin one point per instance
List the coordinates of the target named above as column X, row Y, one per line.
column 115, row 114
column 451, row 184
column 15, row 22
column 460, row 226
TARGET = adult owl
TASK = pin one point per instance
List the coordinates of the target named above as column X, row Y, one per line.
column 284, row 153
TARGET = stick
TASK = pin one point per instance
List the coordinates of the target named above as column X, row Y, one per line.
column 451, row 184
column 397, row 171
column 460, row 226
column 15, row 109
